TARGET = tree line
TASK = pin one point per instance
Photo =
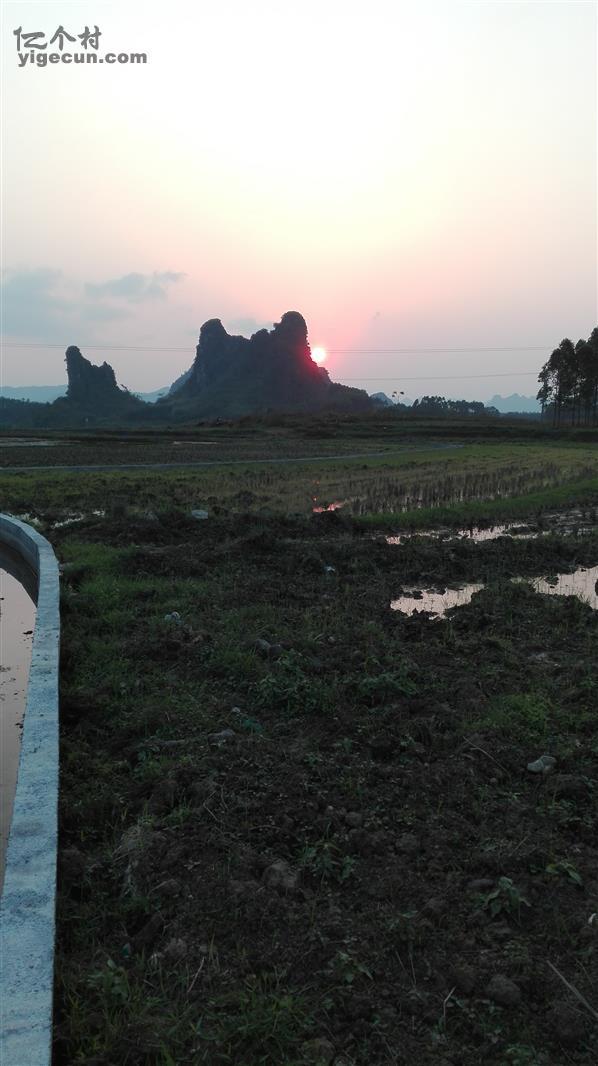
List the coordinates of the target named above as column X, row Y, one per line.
column 569, row 383
column 439, row 405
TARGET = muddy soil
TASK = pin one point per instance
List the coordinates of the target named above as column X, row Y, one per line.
column 299, row 827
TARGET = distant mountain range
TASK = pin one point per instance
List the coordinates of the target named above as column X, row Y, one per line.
column 387, row 401
column 515, row 403
column 49, row 393
column 37, row 393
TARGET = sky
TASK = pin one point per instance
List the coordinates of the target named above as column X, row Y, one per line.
column 408, row 176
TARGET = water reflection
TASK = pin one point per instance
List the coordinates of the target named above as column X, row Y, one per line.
column 334, row 506
column 435, row 603
column 22, row 442
column 71, row 519
column 564, row 523
column 18, row 592
column 474, row 533
column 583, row 584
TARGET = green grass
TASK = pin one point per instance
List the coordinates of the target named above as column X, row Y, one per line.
column 582, row 494
column 442, row 480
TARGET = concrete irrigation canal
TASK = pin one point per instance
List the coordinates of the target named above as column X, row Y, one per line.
column 29, row 645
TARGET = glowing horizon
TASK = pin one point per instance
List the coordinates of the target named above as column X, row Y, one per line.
column 432, row 187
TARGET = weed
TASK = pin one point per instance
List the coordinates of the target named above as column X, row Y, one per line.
column 288, row 688
column 505, row 899
column 326, row 862
column 523, row 716
column 259, row 1022
column 346, row 968
column 566, row 869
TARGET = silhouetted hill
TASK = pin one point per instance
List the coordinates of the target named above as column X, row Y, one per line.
column 272, row 371
column 93, row 397
column 180, row 381
column 89, row 385
column 230, row 376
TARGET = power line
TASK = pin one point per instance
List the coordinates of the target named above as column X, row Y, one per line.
column 431, row 351
column 450, row 377
column 99, row 347
column 344, row 351
column 331, row 351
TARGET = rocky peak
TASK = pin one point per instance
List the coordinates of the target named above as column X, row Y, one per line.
column 272, row 370
column 88, row 383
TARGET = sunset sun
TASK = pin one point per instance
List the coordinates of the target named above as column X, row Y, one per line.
column 319, row 355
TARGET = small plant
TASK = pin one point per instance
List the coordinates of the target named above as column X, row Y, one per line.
column 523, row 716
column 385, row 686
column 402, row 926
column 112, row 983
column 346, row 968
column 505, row 899
column 259, row 1022
column 287, row 687
column 345, row 745
column 521, row 1055
column 324, row 860
column 564, row 868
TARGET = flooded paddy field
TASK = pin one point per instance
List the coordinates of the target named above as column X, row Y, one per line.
column 312, row 818
column 297, row 825
column 410, row 484
column 242, row 441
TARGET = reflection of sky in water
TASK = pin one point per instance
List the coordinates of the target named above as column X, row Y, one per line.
column 335, row 506
column 435, row 602
column 17, row 618
column 564, row 523
column 21, row 442
column 70, row 519
column 473, row 533
column 581, row 584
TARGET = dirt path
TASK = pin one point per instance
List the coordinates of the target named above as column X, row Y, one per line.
column 218, row 462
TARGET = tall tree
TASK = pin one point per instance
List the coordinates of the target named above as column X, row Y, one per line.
column 569, row 382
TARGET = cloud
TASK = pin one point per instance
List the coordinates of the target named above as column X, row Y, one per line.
column 101, row 313
column 36, row 304
column 134, row 287
column 43, row 304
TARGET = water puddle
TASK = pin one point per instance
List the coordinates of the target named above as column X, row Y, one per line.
column 334, row 506
column 22, row 442
column 31, row 519
column 477, row 534
column 434, row 603
column 71, row 519
column 18, row 593
column 583, row 584
column 566, row 524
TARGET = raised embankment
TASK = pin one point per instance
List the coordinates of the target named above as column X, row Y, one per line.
column 27, row 907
